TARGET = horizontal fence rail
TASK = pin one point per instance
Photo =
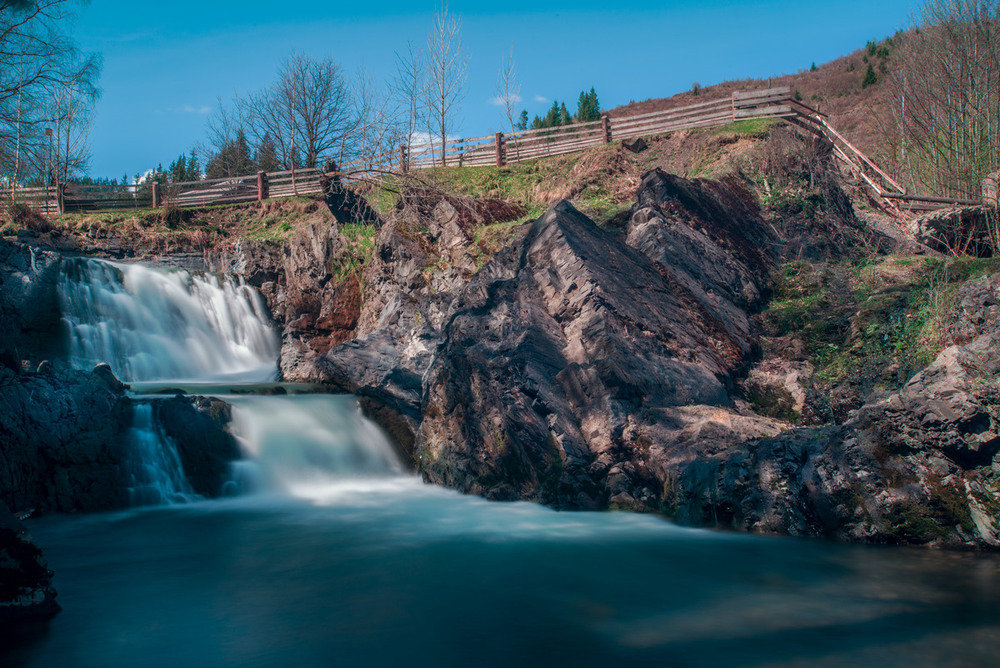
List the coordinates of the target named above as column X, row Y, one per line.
column 497, row 149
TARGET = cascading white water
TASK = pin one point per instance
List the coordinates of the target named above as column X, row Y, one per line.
column 154, row 466
column 303, row 444
column 150, row 324
column 176, row 326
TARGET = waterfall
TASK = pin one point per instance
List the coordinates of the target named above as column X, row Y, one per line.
column 154, row 465
column 305, row 443
column 181, row 327
column 151, row 324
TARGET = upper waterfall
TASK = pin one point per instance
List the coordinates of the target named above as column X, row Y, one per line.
column 156, row 324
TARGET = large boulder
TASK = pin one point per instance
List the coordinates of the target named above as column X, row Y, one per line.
column 62, row 440
column 575, row 367
column 963, row 230
column 67, row 437
column 198, row 426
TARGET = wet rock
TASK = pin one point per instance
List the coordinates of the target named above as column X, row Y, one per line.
column 26, row 591
column 29, row 300
column 62, row 441
column 199, row 428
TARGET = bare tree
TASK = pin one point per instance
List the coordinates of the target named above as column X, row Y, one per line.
column 949, row 99
column 410, row 91
column 376, row 130
column 39, row 64
column 508, row 88
column 447, row 71
column 71, row 106
column 307, row 113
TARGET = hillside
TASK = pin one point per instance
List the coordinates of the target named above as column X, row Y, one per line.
column 861, row 113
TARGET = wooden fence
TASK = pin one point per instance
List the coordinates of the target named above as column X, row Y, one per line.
column 497, row 149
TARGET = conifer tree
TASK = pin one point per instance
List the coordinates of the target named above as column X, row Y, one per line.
column 193, row 167
column 522, row 122
column 267, row 155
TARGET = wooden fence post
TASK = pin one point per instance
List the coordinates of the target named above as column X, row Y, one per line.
column 261, row 186
column 606, row 127
column 498, row 148
column 402, row 159
column 156, row 194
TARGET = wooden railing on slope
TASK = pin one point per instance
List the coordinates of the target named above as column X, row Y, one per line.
column 498, row 149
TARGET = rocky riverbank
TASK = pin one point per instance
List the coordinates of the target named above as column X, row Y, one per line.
column 599, row 364
column 595, row 366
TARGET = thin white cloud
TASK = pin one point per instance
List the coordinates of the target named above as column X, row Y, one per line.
column 500, row 101
column 186, row 109
column 541, row 98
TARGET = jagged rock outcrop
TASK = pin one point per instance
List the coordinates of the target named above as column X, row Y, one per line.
column 574, row 367
column 26, row 590
column 61, row 441
column 915, row 466
column 397, row 331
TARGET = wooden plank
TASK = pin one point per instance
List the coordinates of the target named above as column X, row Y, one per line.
column 928, row 199
column 861, row 155
column 676, row 111
column 759, row 112
column 725, row 116
column 767, row 92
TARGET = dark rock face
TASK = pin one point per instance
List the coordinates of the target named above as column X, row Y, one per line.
column 62, row 442
column 29, row 300
column 571, row 352
column 345, row 204
column 197, row 425
column 26, row 590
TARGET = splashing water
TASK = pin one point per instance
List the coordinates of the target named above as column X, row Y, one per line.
column 306, row 444
column 150, row 324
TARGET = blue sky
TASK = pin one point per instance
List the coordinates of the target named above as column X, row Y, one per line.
column 166, row 64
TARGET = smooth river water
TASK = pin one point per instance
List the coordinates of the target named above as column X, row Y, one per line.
column 328, row 553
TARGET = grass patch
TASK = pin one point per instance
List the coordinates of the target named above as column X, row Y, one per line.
column 756, row 128
column 873, row 324
column 358, row 250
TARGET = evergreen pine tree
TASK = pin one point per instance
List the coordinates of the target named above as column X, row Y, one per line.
column 870, row 78
column 587, row 108
column 267, row 155
column 564, row 117
column 193, row 167
column 522, row 121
